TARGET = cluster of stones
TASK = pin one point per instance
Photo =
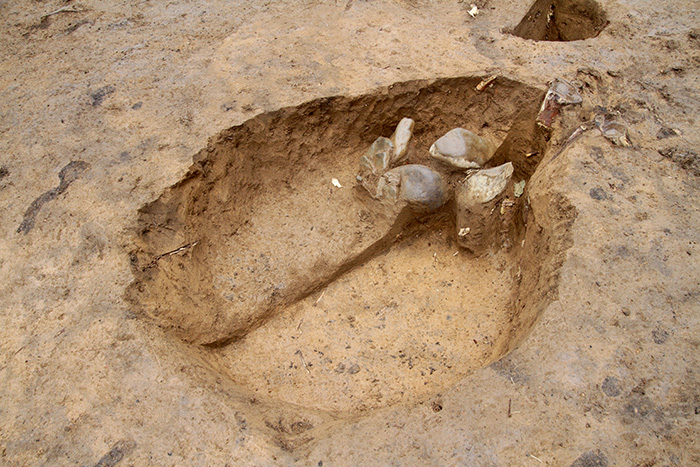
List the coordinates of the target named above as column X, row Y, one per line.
column 424, row 190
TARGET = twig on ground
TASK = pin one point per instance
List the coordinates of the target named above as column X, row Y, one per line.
column 318, row 299
column 303, row 362
column 65, row 9
column 173, row 252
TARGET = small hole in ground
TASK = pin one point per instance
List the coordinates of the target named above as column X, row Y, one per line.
column 562, row 20
column 279, row 276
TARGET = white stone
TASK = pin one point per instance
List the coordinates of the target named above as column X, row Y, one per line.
column 486, row 184
column 400, row 138
column 463, row 149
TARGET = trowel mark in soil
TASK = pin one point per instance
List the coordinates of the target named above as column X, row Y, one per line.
column 67, row 175
column 562, row 20
column 297, row 287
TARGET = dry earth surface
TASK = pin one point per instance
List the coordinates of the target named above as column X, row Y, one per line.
column 182, row 284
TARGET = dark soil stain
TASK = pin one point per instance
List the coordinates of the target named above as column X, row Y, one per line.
column 665, row 132
column 688, row 160
column 98, row 96
column 598, row 194
column 116, row 454
column 67, row 175
column 4, row 172
column 591, row 459
column 73, row 27
column 611, row 386
column 638, row 407
column 659, row 335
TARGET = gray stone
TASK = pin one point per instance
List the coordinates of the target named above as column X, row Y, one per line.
column 378, row 157
column 375, row 162
column 463, row 149
column 611, row 386
column 612, row 128
column 421, row 187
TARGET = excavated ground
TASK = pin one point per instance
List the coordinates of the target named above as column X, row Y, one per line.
column 160, row 308
column 282, row 273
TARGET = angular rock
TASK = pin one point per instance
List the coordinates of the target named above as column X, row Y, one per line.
column 378, row 157
column 463, row 149
column 486, row 184
column 400, row 138
column 375, row 162
column 612, row 128
column 477, row 219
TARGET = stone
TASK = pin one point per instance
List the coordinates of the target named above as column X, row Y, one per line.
column 613, row 129
column 388, row 186
column 375, row 163
column 421, row 187
column 378, row 157
column 485, row 185
column 402, row 135
column 477, row 220
column 519, row 189
column 463, row 149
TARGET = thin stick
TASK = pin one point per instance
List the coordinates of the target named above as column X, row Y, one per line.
column 66, row 9
column 537, row 459
column 318, row 299
column 170, row 253
column 303, row 362
column 177, row 250
column 509, row 404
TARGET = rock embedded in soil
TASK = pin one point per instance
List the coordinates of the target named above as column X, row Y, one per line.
column 375, row 163
column 484, row 185
column 400, row 138
column 378, row 156
column 423, row 189
column 477, row 198
column 463, row 149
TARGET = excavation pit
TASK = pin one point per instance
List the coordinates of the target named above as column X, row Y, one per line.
column 562, row 20
column 297, row 290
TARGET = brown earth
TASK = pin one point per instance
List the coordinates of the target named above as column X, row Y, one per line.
column 183, row 284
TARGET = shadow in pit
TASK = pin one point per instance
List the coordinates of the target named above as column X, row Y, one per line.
column 562, row 20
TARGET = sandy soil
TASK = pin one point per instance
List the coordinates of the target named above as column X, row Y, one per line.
column 131, row 129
